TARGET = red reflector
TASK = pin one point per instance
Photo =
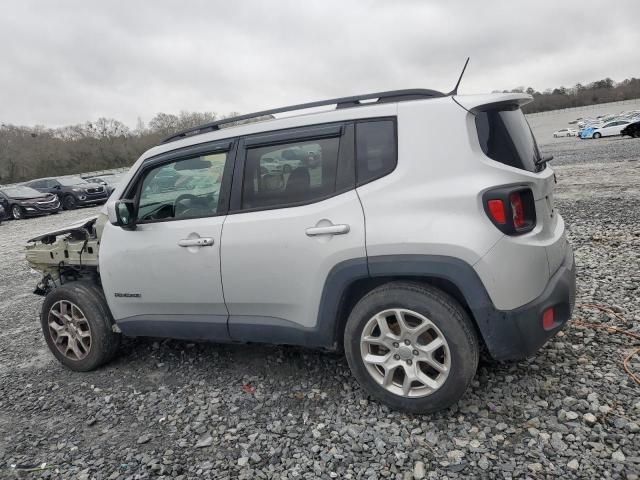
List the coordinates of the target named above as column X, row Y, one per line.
column 496, row 208
column 517, row 209
column 548, row 321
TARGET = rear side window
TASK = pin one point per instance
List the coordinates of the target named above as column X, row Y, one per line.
column 289, row 174
column 505, row 136
column 376, row 152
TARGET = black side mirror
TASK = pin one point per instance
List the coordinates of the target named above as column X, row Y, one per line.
column 57, row 187
column 125, row 214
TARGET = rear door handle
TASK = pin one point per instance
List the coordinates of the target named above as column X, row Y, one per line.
column 328, row 230
column 196, row 242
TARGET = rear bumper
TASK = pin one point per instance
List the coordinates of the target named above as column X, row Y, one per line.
column 519, row 333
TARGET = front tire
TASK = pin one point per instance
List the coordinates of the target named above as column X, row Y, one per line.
column 411, row 346
column 77, row 326
column 597, row 135
column 69, row 202
column 16, row 212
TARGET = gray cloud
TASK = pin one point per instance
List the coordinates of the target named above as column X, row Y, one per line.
column 70, row 61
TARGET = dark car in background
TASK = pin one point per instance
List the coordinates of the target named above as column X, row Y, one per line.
column 20, row 201
column 73, row 192
column 631, row 130
column 109, row 181
column 3, row 213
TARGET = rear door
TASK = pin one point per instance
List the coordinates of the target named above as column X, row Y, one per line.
column 163, row 277
column 287, row 229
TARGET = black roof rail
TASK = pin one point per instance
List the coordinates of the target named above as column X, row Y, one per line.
column 343, row 102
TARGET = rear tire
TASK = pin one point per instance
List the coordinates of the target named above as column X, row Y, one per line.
column 77, row 326
column 69, row 202
column 422, row 372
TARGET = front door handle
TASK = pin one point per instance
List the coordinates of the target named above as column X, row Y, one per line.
column 328, row 230
column 196, row 242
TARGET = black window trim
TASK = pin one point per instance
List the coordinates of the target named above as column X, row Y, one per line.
column 230, row 145
column 298, row 134
column 289, row 135
column 393, row 119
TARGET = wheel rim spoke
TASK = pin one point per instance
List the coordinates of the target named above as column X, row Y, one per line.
column 387, row 379
column 432, row 346
column 414, row 344
column 377, row 359
column 383, row 325
column 406, row 385
column 442, row 368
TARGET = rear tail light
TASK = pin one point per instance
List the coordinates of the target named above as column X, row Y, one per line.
column 511, row 209
column 496, row 211
column 518, row 210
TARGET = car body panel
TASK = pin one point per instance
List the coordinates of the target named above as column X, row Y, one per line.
column 272, row 268
column 141, row 278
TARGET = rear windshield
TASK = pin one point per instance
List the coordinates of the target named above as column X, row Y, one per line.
column 505, row 136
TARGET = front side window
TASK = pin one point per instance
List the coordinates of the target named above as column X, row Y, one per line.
column 188, row 188
column 292, row 173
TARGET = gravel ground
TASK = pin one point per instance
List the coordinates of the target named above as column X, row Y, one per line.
column 172, row 409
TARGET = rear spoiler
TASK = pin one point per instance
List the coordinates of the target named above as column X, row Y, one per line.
column 492, row 101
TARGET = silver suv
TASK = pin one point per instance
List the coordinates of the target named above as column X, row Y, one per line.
column 412, row 229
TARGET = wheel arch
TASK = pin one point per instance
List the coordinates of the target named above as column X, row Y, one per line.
column 349, row 281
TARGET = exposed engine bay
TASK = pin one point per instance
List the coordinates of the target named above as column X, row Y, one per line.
column 67, row 254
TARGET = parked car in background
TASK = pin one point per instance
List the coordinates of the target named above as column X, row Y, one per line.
column 109, row 181
column 270, row 165
column 4, row 207
column 631, row 130
column 72, row 192
column 20, row 202
column 565, row 132
column 606, row 130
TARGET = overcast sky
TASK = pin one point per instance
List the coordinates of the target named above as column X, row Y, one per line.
column 66, row 62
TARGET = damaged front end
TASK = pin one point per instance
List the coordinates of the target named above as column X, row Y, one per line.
column 67, row 254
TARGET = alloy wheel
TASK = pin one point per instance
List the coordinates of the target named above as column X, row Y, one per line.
column 405, row 353
column 69, row 330
column 16, row 211
column 70, row 202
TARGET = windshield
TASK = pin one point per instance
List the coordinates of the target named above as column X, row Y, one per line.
column 70, row 181
column 16, row 192
column 111, row 179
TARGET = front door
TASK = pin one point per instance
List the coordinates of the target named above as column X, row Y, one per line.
column 163, row 277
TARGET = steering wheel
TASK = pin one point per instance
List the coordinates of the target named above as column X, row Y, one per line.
column 183, row 210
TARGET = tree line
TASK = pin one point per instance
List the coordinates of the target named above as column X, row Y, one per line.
column 35, row 152
column 601, row 91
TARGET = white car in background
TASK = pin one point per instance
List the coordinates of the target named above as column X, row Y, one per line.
column 565, row 132
column 608, row 129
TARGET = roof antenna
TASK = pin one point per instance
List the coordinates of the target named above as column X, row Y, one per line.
column 455, row 89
